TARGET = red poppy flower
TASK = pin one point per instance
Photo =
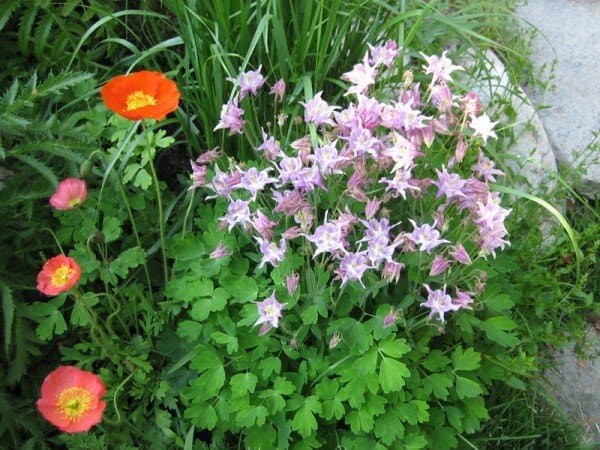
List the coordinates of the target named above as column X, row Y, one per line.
column 71, row 399
column 70, row 193
column 59, row 274
column 141, row 95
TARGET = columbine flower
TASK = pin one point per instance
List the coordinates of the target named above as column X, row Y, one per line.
column 141, row 95
column 483, row 127
column 352, row 267
column 270, row 146
column 379, row 250
column 198, row 175
column 70, row 193
column 426, row 236
column 255, row 180
column 361, row 76
column 439, row 67
column 327, row 158
column 269, row 311
column 371, row 208
column 463, row 299
column 238, row 212
column 441, row 97
column 250, row 82
column 391, row 271
column 71, row 399
column 231, row 118
column 271, row 253
column 220, row 251
column 485, row 168
column 263, row 224
column 439, row 302
column 327, row 238
column 449, row 184
column 291, row 282
column 400, row 183
column 318, row 111
column 278, row 90
column 471, row 104
column 384, row 54
column 403, row 152
column 59, row 274
column 209, row 156
column 223, row 182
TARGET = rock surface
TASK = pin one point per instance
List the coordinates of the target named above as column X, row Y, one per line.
column 569, row 31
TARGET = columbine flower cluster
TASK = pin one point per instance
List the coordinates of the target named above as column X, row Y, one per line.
column 378, row 159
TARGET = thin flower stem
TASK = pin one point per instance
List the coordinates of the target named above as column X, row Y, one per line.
column 187, row 212
column 161, row 224
column 115, row 398
column 55, row 239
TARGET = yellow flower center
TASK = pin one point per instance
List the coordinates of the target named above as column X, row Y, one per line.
column 139, row 99
column 74, row 402
column 75, row 202
column 61, row 276
column 270, row 310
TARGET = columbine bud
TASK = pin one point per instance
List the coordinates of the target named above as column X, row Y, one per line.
column 335, row 340
column 390, row 319
column 461, row 150
column 371, row 208
column 391, row 271
column 294, row 343
column 439, row 265
column 459, row 253
column 292, row 282
column 264, row 329
column 408, row 78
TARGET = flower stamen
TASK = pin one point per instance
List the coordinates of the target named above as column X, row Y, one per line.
column 74, row 402
column 139, row 99
column 61, row 276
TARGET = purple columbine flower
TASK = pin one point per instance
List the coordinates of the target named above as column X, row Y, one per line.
column 271, row 253
column 328, row 238
column 441, row 97
column 368, row 111
column 278, row 90
column 291, row 282
column 352, row 267
column 269, row 311
column 384, row 54
column 269, row 146
column 371, row 208
column 426, row 236
column 318, row 111
column 327, row 158
column 449, row 184
column 289, row 169
column 238, row 212
column 463, row 299
column 250, row 82
column 289, row 202
column 263, row 224
column 402, row 152
column 209, row 156
column 486, row 168
column 254, row 180
column 198, row 175
column 223, row 182
column 380, row 250
column 220, row 251
column 439, row 302
column 391, row 271
column 400, row 183
column 231, row 118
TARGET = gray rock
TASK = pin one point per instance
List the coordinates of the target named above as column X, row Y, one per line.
column 570, row 32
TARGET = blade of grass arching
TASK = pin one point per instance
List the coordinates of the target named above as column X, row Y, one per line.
column 172, row 42
column 38, row 166
column 106, row 19
column 124, row 43
column 261, row 29
column 419, row 22
column 556, row 213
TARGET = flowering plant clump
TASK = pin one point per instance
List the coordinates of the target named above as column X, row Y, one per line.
column 72, row 399
column 358, row 238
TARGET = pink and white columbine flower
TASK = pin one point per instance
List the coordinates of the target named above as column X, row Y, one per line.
column 278, row 90
column 352, row 267
column 223, row 182
column 425, row 236
column 486, row 168
column 328, row 238
column 291, row 282
column 70, row 193
column 254, row 180
column 270, row 146
column 269, row 311
column 391, row 271
column 471, row 104
column 463, row 299
column 384, row 54
column 250, row 82
column 318, row 111
column 439, row 67
column 490, row 221
column 238, row 212
column 438, row 266
column 327, row 158
column 449, row 184
column 484, row 127
column 400, row 183
column 403, row 152
column 361, row 76
column 231, row 118
column 439, row 302
column 271, row 253
column 459, row 253
column 263, row 224
column 220, row 251
column 198, row 175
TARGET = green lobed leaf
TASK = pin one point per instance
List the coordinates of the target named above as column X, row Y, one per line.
column 395, row 348
column 242, row 384
column 392, row 374
column 469, row 360
column 388, row 427
column 467, row 388
column 128, row 259
column 304, row 421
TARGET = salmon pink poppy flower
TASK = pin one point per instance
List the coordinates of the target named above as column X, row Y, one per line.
column 70, row 193
column 71, row 399
column 141, row 95
column 59, row 274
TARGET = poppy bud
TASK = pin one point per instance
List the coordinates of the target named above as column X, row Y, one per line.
column 85, row 168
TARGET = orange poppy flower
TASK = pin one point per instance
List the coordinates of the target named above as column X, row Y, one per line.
column 59, row 274
column 71, row 399
column 141, row 95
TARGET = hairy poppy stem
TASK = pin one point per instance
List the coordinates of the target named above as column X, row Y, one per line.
column 161, row 224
